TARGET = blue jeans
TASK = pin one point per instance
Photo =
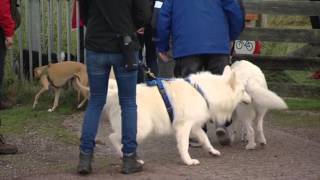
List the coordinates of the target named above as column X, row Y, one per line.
column 98, row 67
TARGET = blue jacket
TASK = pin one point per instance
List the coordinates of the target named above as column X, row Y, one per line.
column 199, row 26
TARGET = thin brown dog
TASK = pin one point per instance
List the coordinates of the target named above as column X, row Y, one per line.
column 56, row 75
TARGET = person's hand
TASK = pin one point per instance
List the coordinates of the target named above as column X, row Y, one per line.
column 9, row 42
column 140, row 31
column 164, row 56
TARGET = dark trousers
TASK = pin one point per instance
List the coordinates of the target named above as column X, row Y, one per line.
column 315, row 20
column 81, row 44
column 214, row 63
column 2, row 59
column 151, row 54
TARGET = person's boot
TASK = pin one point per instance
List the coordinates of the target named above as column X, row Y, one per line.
column 7, row 148
column 85, row 160
column 131, row 164
column 223, row 136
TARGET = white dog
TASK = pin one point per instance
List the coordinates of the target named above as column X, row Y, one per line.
column 262, row 100
column 222, row 93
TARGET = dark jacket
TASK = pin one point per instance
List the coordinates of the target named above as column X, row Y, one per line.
column 199, row 26
column 155, row 14
column 106, row 21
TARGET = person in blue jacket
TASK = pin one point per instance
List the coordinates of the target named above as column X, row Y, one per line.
column 201, row 32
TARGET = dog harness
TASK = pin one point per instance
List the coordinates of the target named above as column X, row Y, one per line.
column 158, row 82
column 197, row 87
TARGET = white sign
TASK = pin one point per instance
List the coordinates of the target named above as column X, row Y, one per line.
column 244, row 47
column 158, row 4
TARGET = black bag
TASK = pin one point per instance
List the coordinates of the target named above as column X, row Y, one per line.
column 16, row 16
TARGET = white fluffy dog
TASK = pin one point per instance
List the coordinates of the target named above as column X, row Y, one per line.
column 223, row 93
column 262, row 100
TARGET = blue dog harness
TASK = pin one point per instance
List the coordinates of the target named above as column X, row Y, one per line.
column 158, row 82
column 197, row 87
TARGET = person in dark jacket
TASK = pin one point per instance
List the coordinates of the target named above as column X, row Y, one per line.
column 108, row 22
column 147, row 40
column 7, row 28
column 201, row 33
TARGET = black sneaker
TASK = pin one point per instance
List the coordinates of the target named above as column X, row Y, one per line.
column 223, row 136
column 84, row 166
column 131, row 164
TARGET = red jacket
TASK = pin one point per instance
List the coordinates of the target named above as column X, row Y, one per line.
column 7, row 24
column 74, row 16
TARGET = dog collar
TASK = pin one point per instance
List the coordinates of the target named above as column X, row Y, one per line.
column 158, row 82
column 198, row 88
column 52, row 83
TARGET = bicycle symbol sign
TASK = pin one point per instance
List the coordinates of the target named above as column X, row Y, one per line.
column 244, row 47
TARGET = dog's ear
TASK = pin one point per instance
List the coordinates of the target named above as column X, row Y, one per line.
column 36, row 72
column 226, row 71
column 232, row 80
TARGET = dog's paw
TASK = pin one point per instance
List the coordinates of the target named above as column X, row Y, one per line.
column 261, row 140
column 214, row 152
column 50, row 110
column 140, row 161
column 192, row 162
column 251, row 146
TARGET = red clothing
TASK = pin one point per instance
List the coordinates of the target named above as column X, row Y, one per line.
column 257, row 49
column 7, row 23
column 316, row 75
column 74, row 17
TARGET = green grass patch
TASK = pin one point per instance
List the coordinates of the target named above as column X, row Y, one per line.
column 302, row 77
column 23, row 119
column 279, row 49
column 302, row 113
column 288, row 21
column 291, row 76
column 303, row 104
column 295, row 119
column 278, row 76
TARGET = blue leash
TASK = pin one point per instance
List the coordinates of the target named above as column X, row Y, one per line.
column 158, row 82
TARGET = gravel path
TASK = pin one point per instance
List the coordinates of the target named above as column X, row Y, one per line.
column 288, row 155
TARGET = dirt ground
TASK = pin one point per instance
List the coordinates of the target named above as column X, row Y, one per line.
column 290, row 154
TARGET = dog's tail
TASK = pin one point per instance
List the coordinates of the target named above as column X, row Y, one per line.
column 264, row 97
column 79, row 84
column 112, row 87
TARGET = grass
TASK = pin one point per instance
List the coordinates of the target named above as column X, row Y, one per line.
column 302, row 113
column 295, row 119
column 291, row 76
column 303, row 104
column 23, row 119
column 302, row 77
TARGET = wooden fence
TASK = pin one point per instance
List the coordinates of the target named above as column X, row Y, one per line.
column 309, row 36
